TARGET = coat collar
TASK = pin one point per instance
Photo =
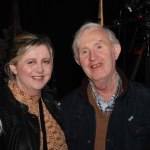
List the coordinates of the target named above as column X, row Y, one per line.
column 123, row 78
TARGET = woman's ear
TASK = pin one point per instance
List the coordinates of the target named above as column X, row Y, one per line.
column 13, row 69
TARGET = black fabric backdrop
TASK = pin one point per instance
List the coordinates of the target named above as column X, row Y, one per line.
column 59, row 20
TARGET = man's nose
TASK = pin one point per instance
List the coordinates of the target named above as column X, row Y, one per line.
column 92, row 56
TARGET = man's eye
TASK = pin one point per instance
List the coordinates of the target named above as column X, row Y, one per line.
column 99, row 46
column 83, row 52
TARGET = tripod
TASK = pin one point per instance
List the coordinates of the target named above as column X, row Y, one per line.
column 134, row 34
column 143, row 51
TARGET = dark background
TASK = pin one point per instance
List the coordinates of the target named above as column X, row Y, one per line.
column 60, row 19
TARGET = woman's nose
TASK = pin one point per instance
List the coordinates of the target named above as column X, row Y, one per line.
column 39, row 68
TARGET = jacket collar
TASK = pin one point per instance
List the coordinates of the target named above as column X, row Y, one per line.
column 123, row 78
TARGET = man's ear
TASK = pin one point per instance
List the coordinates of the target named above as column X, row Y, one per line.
column 13, row 69
column 77, row 61
column 117, row 50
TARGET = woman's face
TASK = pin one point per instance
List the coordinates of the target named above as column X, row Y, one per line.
column 34, row 70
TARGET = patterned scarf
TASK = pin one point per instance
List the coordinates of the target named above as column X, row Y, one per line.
column 54, row 134
column 107, row 107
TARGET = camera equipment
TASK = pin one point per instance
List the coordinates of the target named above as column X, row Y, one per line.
column 134, row 34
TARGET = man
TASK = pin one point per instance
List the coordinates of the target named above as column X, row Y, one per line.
column 107, row 112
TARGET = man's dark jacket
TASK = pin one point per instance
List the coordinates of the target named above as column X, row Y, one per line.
column 129, row 123
column 19, row 130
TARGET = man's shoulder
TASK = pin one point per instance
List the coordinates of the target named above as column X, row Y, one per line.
column 139, row 92
column 72, row 93
column 139, row 86
column 71, row 98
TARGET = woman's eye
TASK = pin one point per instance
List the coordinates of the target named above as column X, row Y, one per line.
column 30, row 62
column 46, row 61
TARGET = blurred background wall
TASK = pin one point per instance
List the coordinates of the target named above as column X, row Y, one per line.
column 60, row 19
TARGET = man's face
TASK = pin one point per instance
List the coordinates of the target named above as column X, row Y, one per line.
column 97, row 54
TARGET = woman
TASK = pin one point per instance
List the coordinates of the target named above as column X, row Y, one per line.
column 28, row 113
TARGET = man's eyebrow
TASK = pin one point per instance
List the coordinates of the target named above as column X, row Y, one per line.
column 99, row 41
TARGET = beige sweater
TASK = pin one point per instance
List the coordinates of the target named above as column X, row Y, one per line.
column 101, row 122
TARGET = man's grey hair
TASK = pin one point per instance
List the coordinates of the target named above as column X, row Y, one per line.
column 90, row 25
